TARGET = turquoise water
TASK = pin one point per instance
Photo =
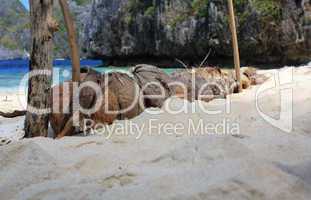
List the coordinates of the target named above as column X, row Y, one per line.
column 12, row 72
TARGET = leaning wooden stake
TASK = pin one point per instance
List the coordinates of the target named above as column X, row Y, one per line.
column 70, row 26
column 235, row 43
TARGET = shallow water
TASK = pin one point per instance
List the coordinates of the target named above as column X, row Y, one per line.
column 12, row 72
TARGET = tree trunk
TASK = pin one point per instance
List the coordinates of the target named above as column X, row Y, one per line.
column 39, row 86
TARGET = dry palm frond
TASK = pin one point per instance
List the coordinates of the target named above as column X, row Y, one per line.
column 206, row 57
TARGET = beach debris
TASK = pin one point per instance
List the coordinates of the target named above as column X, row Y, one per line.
column 203, row 84
column 154, row 82
column 128, row 94
column 208, row 83
column 62, row 102
column 119, row 90
column 252, row 74
column 5, row 141
column 89, row 97
column 16, row 113
column 209, row 72
column 61, row 106
column 185, row 87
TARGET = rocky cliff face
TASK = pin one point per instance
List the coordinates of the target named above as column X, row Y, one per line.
column 269, row 30
column 13, row 29
column 80, row 10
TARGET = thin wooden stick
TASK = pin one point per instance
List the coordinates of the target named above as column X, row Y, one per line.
column 182, row 63
column 70, row 26
column 235, row 43
column 206, row 57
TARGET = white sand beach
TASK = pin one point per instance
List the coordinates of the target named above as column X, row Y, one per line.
column 10, row 101
column 260, row 162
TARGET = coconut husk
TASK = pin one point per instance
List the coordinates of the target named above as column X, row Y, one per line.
column 183, row 88
column 61, row 122
column 209, row 72
column 249, row 76
column 87, row 96
column 197, row 87
column 222, row 79
column 109, row 109
column 230, row 76
column 127, row 93
column 61, row 106
column 253, row 76
column 152, row 80
column 209, row 84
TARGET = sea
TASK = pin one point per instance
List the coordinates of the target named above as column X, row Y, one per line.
column 13, row 73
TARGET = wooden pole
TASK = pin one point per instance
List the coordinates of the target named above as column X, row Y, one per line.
column 235, row 44
column 71, row 31
column 40, row 79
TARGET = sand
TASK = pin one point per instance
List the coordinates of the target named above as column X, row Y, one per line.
column 259, row 161
column 14, row 100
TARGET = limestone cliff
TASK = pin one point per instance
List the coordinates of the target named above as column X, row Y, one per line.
column 13, row 29
column 269, row 30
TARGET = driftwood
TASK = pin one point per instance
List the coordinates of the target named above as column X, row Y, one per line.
column 154, row 82
column 16, row 113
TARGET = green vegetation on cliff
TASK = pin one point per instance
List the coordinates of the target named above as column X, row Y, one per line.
column 13, row 25
column 200, row 7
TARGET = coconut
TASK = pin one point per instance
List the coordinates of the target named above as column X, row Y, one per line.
column 195, row 87
column 153, row 82
column 209, row 72
column 127, row 92
column 61, row 106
